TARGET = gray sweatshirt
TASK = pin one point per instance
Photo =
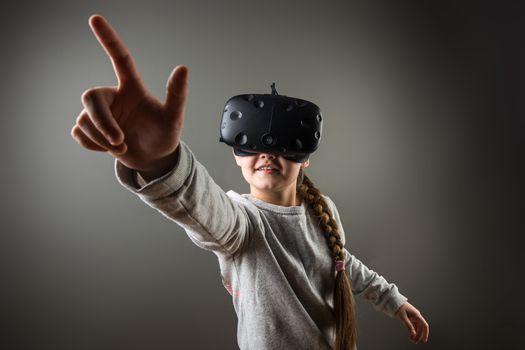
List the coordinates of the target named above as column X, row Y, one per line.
column 274, row 260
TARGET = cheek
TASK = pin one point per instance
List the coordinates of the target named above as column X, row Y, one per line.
column 294, row 171
column 247, row 172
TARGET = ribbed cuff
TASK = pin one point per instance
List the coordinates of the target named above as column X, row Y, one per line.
column 395, row 302
column 162, row 186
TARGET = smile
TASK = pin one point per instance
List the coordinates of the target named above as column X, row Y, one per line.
column 267, row 169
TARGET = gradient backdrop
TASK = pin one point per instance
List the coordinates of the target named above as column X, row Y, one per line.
column 422, row 151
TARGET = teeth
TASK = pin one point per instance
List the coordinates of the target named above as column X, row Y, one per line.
column 266, row 168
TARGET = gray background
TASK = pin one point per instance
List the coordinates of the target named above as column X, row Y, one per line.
column 422, row 151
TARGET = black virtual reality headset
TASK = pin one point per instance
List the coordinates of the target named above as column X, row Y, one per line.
column 271, row 123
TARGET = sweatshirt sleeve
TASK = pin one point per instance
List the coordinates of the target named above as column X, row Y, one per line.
column 367, row 283
column 188, row 196
column 374, row 288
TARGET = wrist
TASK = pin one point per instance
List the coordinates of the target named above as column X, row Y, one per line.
column 160, row 167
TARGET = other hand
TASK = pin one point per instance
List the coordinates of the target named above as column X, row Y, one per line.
column 414, row 322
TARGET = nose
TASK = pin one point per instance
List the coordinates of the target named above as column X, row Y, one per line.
column 268, row 155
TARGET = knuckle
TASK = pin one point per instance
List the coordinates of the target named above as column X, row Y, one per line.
column 87, row 96
column 79, row 137
column 82, row 119
column 74, row 132
column 99, row 125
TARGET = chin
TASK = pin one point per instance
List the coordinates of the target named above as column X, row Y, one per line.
column 264, row 187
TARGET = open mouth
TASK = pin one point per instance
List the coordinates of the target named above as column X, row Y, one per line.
column 267, row 169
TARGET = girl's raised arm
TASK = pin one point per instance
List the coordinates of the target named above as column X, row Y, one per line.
column 144, row 135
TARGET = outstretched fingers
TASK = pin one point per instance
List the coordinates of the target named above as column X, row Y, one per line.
column 176, row 92
column 117, row 51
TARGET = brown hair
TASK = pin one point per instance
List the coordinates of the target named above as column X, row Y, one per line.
column 344, row 307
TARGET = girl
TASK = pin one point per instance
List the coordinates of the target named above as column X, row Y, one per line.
column 280, row 248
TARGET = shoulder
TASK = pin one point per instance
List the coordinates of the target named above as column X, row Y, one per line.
column 243, row 202
column 239, row 198
column 336, row 216
column 330, row 203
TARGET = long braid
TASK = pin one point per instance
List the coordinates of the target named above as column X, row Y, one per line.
column 344, row 307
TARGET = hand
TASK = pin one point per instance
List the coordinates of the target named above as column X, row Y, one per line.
column 125, row 120
column 415, row 323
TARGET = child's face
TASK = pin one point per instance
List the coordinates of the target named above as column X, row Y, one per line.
column 269, row 174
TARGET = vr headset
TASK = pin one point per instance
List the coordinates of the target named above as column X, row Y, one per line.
column 271, row 123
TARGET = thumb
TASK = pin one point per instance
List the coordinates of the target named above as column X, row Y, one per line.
column 176, row 91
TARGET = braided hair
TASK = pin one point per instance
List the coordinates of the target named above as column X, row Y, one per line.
column 344, row 307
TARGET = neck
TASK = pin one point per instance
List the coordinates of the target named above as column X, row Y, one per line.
column 283, row 198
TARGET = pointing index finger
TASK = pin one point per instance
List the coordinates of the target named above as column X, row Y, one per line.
column 116, row 49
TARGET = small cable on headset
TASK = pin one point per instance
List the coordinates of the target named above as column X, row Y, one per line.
column 274, row 92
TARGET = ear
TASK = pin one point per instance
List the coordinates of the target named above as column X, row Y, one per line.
column 305, row 164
